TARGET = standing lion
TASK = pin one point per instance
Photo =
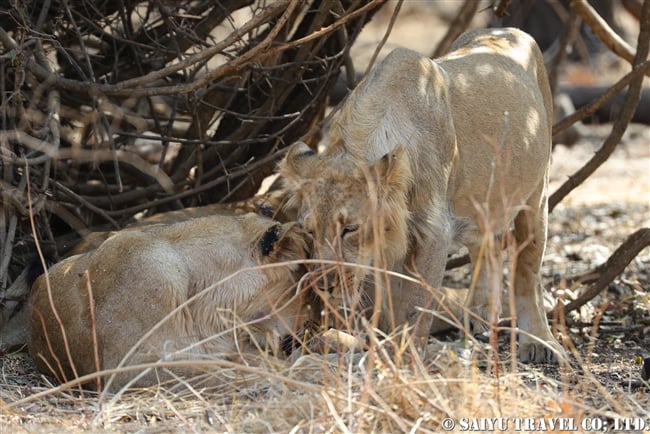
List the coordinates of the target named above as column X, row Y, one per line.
column 424, row 155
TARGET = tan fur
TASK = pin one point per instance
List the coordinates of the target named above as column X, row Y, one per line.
column 268, row 204
column 421, row 156
column 137, row 277
column 14, row 322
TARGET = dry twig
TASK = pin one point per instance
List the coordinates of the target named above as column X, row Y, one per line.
column 216, row 89
column 605, row 273
column 459, row 25
column 620, row 124
column 606, row 34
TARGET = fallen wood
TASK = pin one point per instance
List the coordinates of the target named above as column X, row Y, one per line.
column 608, row 112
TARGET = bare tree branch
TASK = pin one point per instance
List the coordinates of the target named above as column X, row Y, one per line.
column 458, row 26
column 600, row 27
column 616, row 263
column 618, row 129
column 146, row 106
column 591, row 108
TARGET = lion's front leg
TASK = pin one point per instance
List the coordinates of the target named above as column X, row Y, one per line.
column 414, row 299
column 477, row 304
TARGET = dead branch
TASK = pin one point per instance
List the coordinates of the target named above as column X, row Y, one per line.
column 591, row 108
column 456, row 262
column 459, row 25
column 569, row 34
column 601, row 29
column 381, row 44
column 85, row 155
column 605, row 273
column 620, row 124
column 501, row 7
column 150, row 106
column 137, row 87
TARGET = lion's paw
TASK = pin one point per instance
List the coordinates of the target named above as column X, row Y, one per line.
column 540, row 352
column 478, row 320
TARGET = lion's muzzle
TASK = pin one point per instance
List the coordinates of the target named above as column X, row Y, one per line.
column 325, row 277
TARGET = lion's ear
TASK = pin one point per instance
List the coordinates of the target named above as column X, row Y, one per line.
column 393, row 168
column 287, row 241
column 269, row 239
column 294, row 165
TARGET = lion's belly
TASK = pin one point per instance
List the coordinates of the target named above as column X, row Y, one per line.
column 488, row 198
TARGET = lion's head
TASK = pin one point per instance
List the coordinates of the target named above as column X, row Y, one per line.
column 355, row 211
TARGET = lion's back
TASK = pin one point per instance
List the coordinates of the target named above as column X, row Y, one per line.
column 499, row 66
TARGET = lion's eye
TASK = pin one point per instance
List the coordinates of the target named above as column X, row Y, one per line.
column 349, row 230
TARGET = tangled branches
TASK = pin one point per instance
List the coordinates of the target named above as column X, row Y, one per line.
column 116, row 108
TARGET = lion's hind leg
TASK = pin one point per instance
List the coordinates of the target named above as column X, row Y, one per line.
column 536, row 342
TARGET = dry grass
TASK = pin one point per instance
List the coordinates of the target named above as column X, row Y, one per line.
column 389, row 387
column 367, row 392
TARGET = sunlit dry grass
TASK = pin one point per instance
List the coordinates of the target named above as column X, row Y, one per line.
column 346, row 393
column 388, row 387
column 373, row 383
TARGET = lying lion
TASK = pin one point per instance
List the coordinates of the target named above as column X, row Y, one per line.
column 424, row 155
column 90, row 311
column 14, row 321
